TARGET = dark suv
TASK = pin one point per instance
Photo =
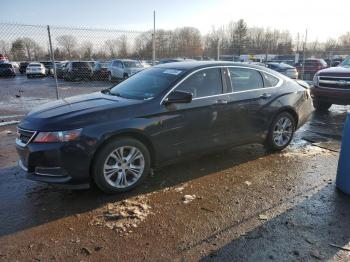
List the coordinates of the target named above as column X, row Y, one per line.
column 23, row 67
column 77, row 71
column 332, row 86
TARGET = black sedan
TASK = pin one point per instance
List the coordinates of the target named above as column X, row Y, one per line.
column 284, row 69
column 162, row 114
column 7, row 69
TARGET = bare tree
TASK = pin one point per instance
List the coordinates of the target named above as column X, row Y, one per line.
column 87, row 49
column 241, row 32
column 17, row 50
column 112, row 47
column 29, row 46
column 123, row 46
column 5, row 47
column 68, row 43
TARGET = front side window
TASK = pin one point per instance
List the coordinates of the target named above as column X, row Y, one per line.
column 346, row 62
column 243, row 79
column 206, row 82
column 131, row 64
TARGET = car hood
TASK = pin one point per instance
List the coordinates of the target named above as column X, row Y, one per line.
column 335, row 71
column 75, row 112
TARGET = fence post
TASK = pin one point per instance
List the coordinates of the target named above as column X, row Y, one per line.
column 304, row 50
column 53, row 61
column 218, row 50
column 154, row 39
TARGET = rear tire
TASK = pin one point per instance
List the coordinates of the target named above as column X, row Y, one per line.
column 321, row 106
column 121, row 165
column 281, row 132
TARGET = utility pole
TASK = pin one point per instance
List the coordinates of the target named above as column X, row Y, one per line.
column 304, row 49
column 53, row 61
column 154, row 39
column 218, row 50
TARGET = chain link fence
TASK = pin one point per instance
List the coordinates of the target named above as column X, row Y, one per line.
column 82, row 60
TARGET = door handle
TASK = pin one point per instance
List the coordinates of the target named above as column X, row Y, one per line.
column 221, row 102
column 265, row 96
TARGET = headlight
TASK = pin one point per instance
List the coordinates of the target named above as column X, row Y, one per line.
column 57, row 136
column 315, row 80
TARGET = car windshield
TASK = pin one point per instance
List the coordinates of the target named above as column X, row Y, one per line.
column 132, row 64
column 346, row 62
column 47, row 64
column 147, row 84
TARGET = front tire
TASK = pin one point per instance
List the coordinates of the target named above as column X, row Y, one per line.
column 321, row 106
column 281, row 132
column 121, row 165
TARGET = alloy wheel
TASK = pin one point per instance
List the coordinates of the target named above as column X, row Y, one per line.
column 283, row 131
column 124, row 166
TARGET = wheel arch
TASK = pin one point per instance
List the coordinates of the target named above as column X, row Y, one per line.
column 287, row 109
column 126, row 134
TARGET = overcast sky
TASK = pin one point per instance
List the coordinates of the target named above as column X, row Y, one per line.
column 321, row 18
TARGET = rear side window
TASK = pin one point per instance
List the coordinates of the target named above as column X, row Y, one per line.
column 243, row 79
column 270, row 80
column 206, row 82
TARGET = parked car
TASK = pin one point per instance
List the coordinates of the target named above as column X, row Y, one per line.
column 146, row 64
column 284, row 69
column 173, row 60
column 77, row 71
column 35, row 69
column 164, row 113
column 332, row 86
column 310, row 69
column 48, row 67
column 100, row 71
column 23, row 67
column 15, row 65
column 121, row 69
column 60, row 69
column 7, row 69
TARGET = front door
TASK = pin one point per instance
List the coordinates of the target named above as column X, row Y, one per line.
column 198, row 125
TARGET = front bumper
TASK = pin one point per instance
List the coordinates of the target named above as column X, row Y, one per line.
column 336, row 96
column 55, row 163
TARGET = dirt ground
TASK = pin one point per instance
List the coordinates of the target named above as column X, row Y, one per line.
column 241, row 204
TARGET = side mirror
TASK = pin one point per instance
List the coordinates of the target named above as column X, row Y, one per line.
column 178, row 97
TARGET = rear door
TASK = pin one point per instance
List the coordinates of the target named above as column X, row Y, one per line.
column 249, row 97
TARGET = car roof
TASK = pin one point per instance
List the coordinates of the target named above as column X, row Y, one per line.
column 280, row 65
column 193, row 65
column 124, row 60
